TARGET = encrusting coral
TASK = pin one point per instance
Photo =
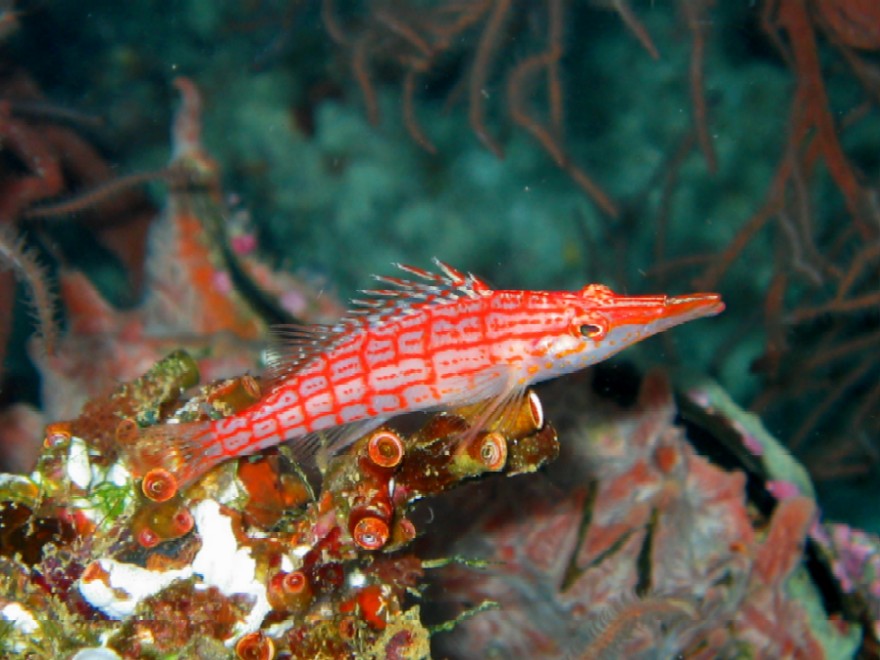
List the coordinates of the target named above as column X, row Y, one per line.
column 326, row 575
column 635, row 542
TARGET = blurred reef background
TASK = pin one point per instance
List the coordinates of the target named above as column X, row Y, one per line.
column 650, row 146
column 729, row 145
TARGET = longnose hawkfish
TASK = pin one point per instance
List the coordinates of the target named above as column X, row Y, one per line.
column 439, row 341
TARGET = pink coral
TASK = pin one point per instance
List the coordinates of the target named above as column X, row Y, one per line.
column 633, row 544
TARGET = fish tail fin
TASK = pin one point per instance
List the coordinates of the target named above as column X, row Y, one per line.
column 172, row 456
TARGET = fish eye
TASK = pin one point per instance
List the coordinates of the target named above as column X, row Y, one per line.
column 591, row 330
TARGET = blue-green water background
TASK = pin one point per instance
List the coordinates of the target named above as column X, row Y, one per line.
column 333, row 196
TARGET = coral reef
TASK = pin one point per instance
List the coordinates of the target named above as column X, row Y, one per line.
column 636, row 545
column 46, row 156
column 206, row 288
column 415, row 38
column 635, row 542
column 819, row 362
column 745, row 157
column 248, row 556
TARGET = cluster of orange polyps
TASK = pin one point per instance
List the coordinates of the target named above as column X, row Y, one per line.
column 362, row 514
column 391, row 471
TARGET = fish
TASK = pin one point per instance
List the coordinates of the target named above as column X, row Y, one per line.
column 428, row 341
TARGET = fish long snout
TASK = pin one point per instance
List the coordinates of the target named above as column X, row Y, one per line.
column 694, row 305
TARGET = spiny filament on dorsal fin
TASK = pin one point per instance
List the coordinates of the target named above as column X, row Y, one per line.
column 450, row 277
column 405, row 289
column 400, row 295
column 449, row 281
column 428, row 275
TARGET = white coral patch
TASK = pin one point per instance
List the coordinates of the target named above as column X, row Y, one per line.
column 117, row 475
column 79, row 467
column 223, row 564
column 129, row 585
column 22, row 620
column 220, row 563
column 356, row 580
column 96, row 653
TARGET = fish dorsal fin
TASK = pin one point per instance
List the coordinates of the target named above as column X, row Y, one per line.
column 403, row 294
column 295, row 346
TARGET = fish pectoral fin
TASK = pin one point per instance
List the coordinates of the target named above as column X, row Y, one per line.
column 472, row 391
column 340, row 437
column 494, row 411
column 319, row 447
